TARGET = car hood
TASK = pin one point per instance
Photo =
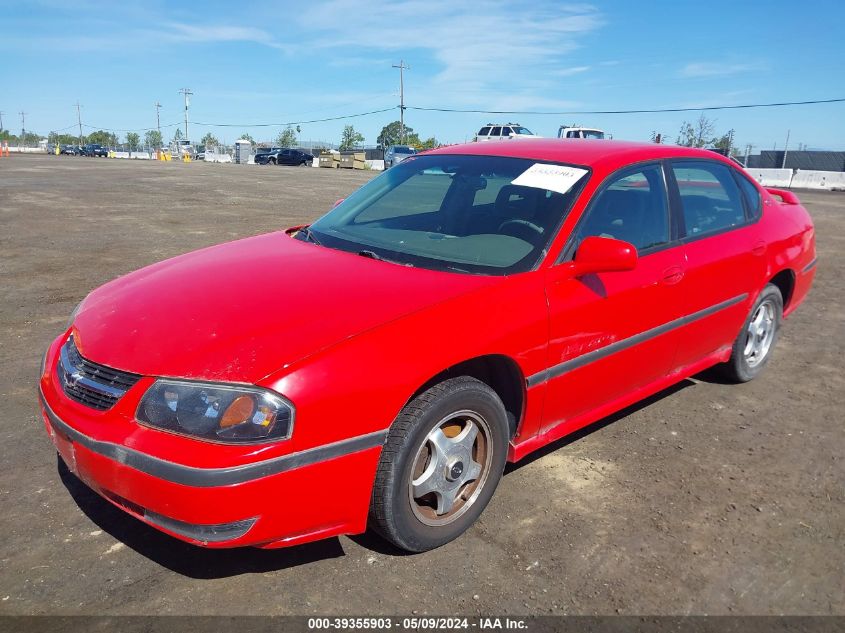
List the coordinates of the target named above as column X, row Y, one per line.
column 242, row 310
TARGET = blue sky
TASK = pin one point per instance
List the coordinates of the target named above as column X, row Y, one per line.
column 268, row 62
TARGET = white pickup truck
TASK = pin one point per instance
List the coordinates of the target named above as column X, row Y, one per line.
column 580, row 132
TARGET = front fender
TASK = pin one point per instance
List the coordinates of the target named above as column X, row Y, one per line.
column 359, row 385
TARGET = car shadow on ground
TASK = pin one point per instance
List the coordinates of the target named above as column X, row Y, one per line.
column 715, row 376
column 183, row 558
column 200, row 563
column 596, row 426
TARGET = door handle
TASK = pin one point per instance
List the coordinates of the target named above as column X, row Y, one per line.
column 759, row 248
column 672, row 275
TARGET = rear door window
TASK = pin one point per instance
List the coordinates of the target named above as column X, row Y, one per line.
column 496, row 131
column 710, row 197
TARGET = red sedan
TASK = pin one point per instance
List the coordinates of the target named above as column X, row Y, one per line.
column 379, row 367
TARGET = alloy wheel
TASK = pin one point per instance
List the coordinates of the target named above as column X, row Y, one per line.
column 450, row 468
column 760, row 334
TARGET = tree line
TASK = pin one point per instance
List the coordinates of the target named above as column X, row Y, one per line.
column 698, row 133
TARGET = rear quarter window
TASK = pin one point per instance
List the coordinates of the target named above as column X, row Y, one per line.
column 485, row 131
column 751, row 194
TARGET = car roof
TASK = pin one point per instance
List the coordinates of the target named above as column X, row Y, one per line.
column 588, row 152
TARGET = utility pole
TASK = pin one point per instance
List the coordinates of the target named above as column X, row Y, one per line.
column 747, row 152
column 79, row 120
column 1, row 121
column 186, row 92
column 730, row 141
column 402, row 68
column 23, row 128
column 158, row 122
column 785, row 150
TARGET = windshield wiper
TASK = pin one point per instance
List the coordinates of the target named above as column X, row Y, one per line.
column 309, row 235
column 374, row 255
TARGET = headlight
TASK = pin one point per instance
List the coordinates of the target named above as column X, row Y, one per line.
column 220, row 413
column 73, row 314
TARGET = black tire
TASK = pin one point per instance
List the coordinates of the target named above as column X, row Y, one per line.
column 394, row 513
column 741, row 367
column 271, row 161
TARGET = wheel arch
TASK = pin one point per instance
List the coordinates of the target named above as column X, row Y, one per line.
column 785, row 282
column 501, row 373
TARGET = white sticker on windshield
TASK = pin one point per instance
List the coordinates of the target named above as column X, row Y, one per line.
column 552, row 177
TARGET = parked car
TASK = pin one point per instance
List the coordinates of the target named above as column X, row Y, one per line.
column 263, row 155
column 284, row 156
column 93, row 149
column 504, row 131
column 70, row 150
column 565, row 131
column 380, row 366
column 395, row 154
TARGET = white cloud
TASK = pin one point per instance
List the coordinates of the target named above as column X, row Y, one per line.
column 719, row 69
column 568, row 72
column 476, row 46
column 189, row 33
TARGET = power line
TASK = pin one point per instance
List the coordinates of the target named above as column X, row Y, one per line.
column 648, row 111
column 286, row 123
column 132, row 129
column 457, row 110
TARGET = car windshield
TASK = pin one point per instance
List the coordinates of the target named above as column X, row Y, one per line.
column 400, row 149
column 593, row 134
column 522, row 130
column 472, row 214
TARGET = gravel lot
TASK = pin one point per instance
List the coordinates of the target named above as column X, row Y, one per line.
column 708, row 498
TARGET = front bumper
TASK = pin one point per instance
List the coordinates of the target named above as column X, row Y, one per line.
column 271, row 502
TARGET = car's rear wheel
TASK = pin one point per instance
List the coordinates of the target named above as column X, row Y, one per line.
column 753, row 347
column 440, row 465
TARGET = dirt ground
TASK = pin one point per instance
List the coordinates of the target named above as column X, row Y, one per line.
column 707, row 499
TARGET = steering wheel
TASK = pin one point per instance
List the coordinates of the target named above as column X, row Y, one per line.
column 522, row 227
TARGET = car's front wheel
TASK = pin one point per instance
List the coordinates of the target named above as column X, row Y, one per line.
column 440, row 465
column 272, row 161
column 753, row 347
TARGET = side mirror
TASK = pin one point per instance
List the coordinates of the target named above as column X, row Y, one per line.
column 603, row 255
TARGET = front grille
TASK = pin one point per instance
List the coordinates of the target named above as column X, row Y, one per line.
column 89, row 383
